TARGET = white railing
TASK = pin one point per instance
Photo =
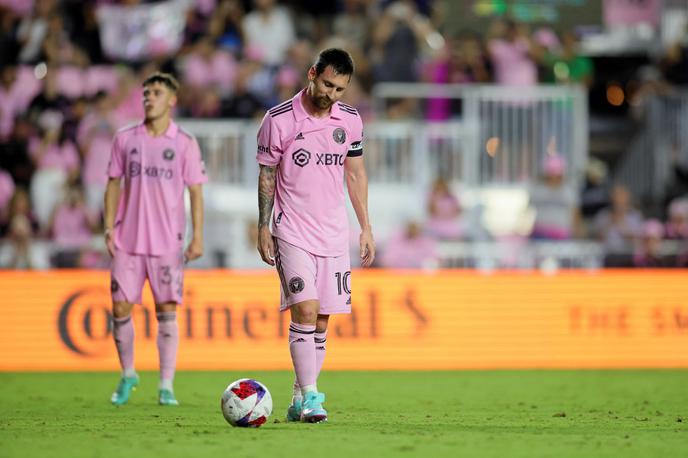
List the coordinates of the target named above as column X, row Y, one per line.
column 658, row 146
column 517, row 126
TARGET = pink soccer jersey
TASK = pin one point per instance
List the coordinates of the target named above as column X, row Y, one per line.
column 150, row 217
column 310, row 208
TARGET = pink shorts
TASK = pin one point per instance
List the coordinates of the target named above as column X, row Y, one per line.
column 305, row 276
column 165, row 275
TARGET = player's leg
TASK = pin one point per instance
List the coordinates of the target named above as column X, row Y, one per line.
column 320, row 338
column 126, row 283
column 168, row 344
column 296, row 270
column 304, row 316
column 166, row 277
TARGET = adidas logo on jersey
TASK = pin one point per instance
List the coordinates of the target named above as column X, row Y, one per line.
column 299, row 136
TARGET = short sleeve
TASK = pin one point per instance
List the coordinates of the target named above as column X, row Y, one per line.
column 356, row 145
column 116, row 165
column 194, row 168
column 269, row 143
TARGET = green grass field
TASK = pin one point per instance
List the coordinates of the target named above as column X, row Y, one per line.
column 372, row 414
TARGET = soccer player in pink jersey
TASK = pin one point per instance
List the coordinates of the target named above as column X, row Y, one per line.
column 306, row 147
column 151, row 163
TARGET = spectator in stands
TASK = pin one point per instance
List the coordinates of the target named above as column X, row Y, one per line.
column 209, row 67
column 353, row 24
column 57, row 163
column 6, row 193
column 270, row 30
column 648, row 249
column 620, row 224
column 444, row 213
column 566, row 65
column 33, row 29
column 17, row 88
column 22, row 227
column 595, row 193
column 14, row 154
column 396, row 40
column 513, row 54
column 556, row 205
column 71, row 228
column 410, row 249
column 677, row 226
column 49, row 98
column 94, row 137
column 226, row 25
column 9, row 47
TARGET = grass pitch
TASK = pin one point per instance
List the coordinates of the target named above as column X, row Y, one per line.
column 372, row 414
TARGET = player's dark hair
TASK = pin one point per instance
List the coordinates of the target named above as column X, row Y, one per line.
column 340, row 61
column 163, row 78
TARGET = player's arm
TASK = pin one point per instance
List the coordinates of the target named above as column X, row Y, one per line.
column 195, row 248
column 357, row 184
column 266, row 200
column 112, row 191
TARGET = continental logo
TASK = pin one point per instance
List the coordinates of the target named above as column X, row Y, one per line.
column 84, row 321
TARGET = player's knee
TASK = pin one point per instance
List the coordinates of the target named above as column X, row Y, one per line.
column 121, row 309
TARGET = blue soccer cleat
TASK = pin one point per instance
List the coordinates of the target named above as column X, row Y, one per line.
column 166, row 398
column 124, row 388
column 294, row 410
column 313, row 411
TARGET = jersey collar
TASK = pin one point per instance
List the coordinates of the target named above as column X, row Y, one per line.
column 171, row 131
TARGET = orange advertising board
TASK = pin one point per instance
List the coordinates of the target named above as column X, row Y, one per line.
column 60, row 320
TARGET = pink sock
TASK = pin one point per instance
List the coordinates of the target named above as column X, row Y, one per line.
column 302, row 349
column 168, row 341
column 123, row 332
column 320, row 339
column 320, row 348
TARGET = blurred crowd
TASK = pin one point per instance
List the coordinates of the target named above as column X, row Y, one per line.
column 69, row 79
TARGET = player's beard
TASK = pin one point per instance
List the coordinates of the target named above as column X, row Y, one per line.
column 323, row 102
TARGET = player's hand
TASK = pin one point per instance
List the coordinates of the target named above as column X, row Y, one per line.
column 266, row 245
column 109, row 243
column 194, row 250
column 367, row 247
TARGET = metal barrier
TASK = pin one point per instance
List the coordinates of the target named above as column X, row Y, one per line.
column 522, row 254
column 505, row 131
column 658, row 146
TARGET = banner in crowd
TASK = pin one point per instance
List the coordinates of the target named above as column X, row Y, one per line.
column 60, row 320
column 631, row 12
column 139, row 32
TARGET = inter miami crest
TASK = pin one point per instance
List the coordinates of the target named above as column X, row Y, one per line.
column 339, row 135
column 296, row 285
column 168, row 154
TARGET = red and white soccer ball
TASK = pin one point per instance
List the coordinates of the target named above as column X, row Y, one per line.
column 246, row 403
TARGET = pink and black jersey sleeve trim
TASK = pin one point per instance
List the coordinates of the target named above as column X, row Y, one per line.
column 269, row 140
column 356, row 146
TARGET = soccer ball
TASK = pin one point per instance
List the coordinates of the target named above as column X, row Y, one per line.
column 246, row 403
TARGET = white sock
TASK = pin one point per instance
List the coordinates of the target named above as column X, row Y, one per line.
column 309, row 388
column 165, row 385
column 129, row 373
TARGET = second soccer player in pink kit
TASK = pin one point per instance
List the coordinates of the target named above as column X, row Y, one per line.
column 151, row 164
column 306, row 147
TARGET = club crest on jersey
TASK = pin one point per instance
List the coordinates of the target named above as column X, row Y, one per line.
column 296, row 285
column 301, row 157
column 168, row 154
column 339, row 135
